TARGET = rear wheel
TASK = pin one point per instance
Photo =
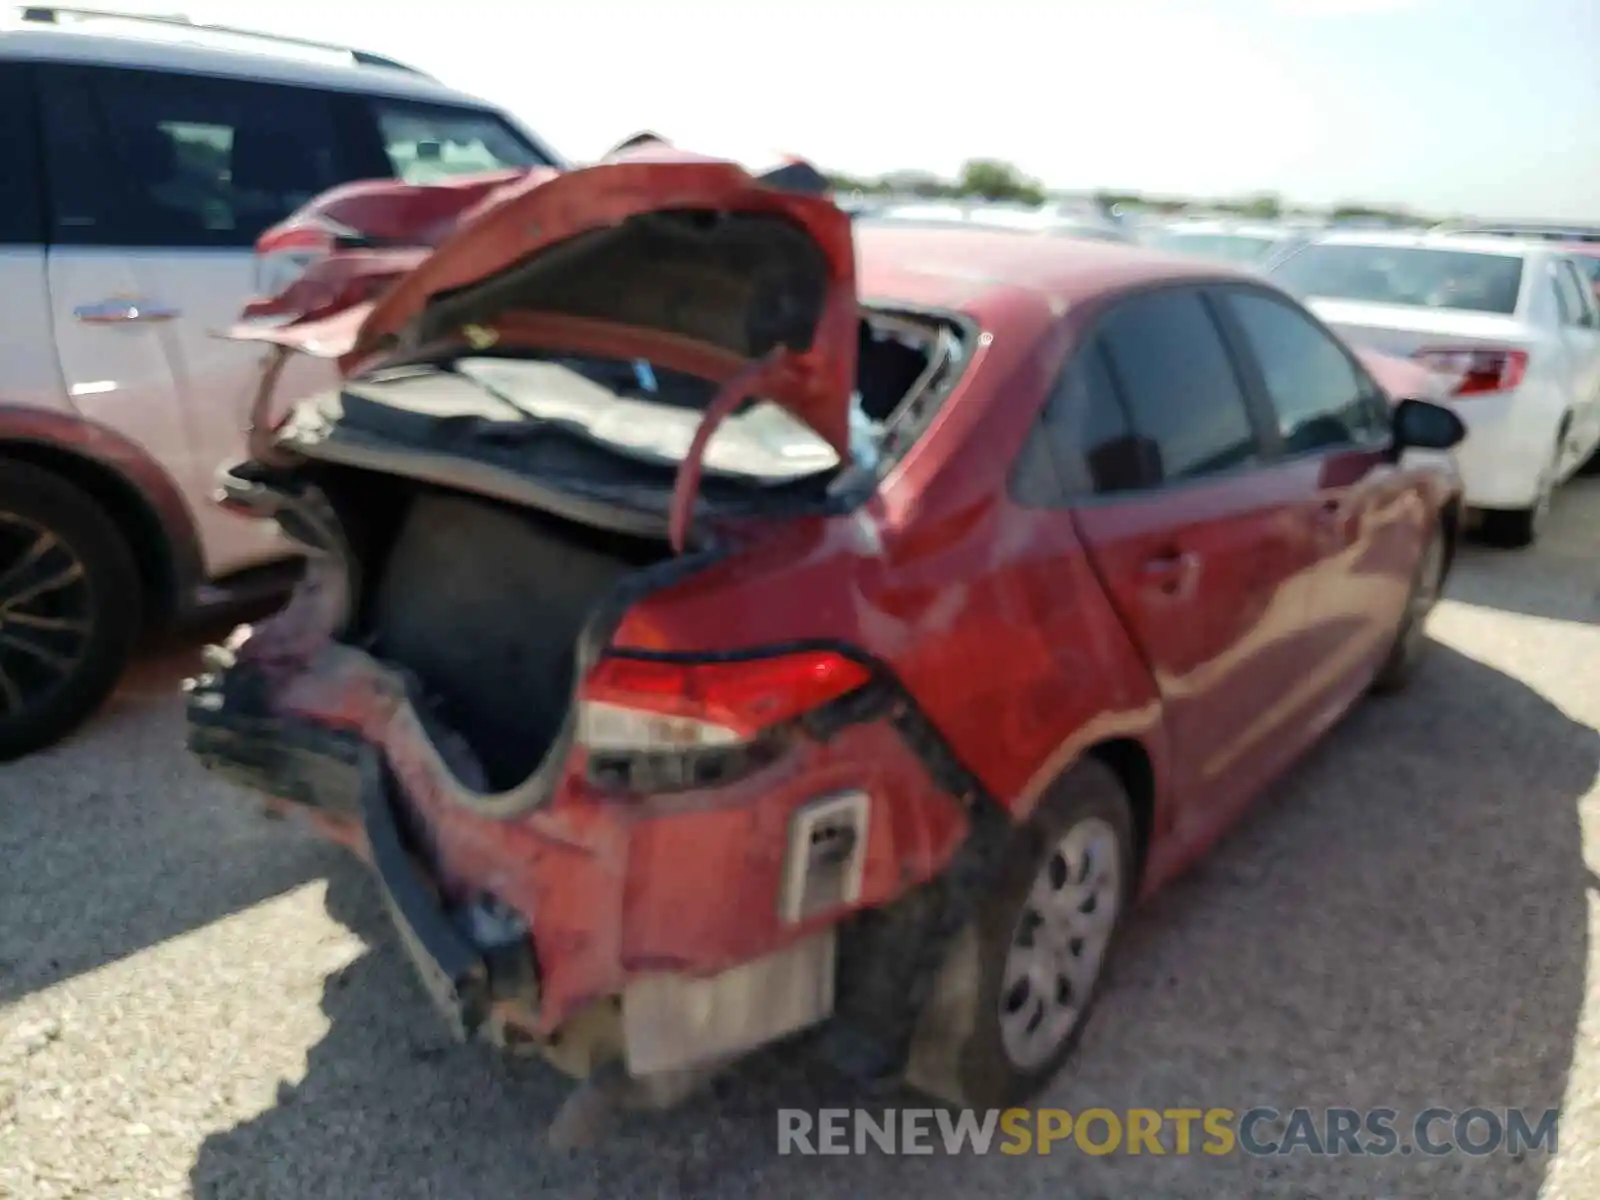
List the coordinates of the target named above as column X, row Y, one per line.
column 1518, row 527
column 1591, row 465
column 69, row 607
column 1028, row 969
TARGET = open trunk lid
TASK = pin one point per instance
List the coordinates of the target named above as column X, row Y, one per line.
column 688, row 263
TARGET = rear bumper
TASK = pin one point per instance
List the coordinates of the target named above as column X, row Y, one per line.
column 662, row 932
column 1507, row 449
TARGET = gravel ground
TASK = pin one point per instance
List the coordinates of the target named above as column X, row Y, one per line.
column 194, row 1000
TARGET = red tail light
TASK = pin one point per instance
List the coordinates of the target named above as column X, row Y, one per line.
column 1476, row 371
column 650, row 704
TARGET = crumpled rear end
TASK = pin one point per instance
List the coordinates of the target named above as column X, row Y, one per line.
column 584, row 913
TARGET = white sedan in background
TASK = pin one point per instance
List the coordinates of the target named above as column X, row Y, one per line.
column 1239, row 243
column 1017, row 218
column 1512, row 329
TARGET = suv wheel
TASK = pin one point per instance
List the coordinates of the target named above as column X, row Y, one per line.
column 1033, row 957
column 69, row 607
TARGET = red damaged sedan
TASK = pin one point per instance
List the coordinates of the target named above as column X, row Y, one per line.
column 719, row 624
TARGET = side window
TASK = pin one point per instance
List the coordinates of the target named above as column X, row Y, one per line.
column 425, row 143
column 1083, row 444
column 1173, row 372
column 1569, row 300
column 1319, row 396
column 1578, row 294
column 20, row 218
column 176, row 160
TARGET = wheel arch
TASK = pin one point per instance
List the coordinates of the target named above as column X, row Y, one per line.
column 1130, row 761
column 134, row 491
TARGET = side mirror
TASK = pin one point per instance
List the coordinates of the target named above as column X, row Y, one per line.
column 1423, row 425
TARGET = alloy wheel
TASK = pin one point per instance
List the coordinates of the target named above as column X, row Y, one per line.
column 1059, row 942
column 45, row 613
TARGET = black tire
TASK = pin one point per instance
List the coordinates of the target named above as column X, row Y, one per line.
column 31, row 501
column 1510, row 529
column 1514, row 528
column 970, row 1065
column 1411, row 640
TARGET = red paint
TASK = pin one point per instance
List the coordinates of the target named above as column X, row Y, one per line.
column 1221, row 626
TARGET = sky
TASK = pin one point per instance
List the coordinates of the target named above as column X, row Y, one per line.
column 1452, row 107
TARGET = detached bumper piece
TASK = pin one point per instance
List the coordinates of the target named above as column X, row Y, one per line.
column 454, row 972
column 232, row 731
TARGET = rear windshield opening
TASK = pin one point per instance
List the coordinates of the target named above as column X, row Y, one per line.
column 637, row 411
column 602, row 441
column 1417, row 277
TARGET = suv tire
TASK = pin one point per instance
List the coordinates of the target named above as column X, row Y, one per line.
column 62, row 646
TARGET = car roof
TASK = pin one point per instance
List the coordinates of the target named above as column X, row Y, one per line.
column 172, row 49
column 957, row 268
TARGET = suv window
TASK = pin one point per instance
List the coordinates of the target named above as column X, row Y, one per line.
column 144, row 159
column 426, row 142
column 20, row 219
column 1173, row 372
column 1319, row 396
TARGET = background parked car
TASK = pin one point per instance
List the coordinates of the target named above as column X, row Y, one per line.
column 143, row 157
column 1514, row 328
column 989, row 215
column 1238, row 243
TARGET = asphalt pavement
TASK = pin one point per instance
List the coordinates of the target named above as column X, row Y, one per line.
column 194, row 1000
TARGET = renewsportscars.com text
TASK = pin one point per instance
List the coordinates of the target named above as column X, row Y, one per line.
column 1258, row 1131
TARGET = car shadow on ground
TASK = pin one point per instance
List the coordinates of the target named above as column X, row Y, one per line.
column 1558, row 579
column 1402, row 924
column 115, row 840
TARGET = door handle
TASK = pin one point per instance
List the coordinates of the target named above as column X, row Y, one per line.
column 1331, row 509
column 124, row 312
column 1169, row 573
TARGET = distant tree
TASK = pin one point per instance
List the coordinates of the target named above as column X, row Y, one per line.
column 991, row 179
column 1387, row 214
column 841, row 182
column 1265, row 207
column 916, row 183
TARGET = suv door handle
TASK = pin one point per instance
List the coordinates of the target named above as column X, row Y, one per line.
column 1168, row 573
column 122, row 312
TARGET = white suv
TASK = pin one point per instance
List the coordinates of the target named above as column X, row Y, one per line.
column 143, row 157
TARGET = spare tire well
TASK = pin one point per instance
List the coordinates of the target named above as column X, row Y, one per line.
column 128, row 510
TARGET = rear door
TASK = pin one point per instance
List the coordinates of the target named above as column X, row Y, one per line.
column 32, row 378
column 161, row 183
column 1208, row 563
column 1365, row 521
